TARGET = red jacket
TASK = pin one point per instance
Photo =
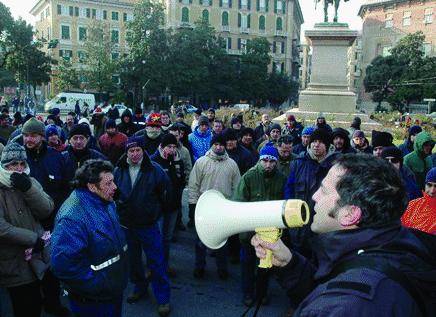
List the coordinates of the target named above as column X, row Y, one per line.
column 421, row 214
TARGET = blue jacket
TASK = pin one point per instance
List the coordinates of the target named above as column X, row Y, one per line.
column 406, row 147
column 74, row 160
column 200, row 143
column 243, row 157
column 361, row 291
column 86, row 235
column 142, row 204
column 304, row 180
column 408, row 178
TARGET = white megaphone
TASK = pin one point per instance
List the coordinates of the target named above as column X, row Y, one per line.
column 217, row 218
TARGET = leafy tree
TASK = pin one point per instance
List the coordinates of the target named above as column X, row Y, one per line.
column 280, row 87
column 98, row 64
column 66, row 76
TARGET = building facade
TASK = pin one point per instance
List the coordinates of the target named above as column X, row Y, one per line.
column 385, row 22
column 237, row 21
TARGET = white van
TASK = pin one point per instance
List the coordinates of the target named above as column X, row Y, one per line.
column 66, row 101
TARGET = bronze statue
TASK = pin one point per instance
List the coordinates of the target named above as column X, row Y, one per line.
column 326, row 6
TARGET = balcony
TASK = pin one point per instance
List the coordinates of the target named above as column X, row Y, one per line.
column 244, row 30
column 262, row 31
column 185, row 25
column 234, row 52
column 280, row 33
column 225, row 28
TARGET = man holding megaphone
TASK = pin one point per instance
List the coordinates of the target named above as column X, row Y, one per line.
column 367, row 263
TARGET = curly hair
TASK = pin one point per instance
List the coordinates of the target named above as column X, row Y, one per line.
column 89, row 173
column 373, row 185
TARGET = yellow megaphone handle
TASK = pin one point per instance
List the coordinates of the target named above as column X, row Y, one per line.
column 270, row 235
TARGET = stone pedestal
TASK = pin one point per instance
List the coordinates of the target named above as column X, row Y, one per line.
column 328, row 90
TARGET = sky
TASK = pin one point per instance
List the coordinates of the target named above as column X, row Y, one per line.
column 347, row 12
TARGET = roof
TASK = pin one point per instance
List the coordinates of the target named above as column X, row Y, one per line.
column 374, row 3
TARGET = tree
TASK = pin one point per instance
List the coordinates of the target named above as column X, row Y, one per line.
column 66, row 76
column 280, row 87
column 99, row 67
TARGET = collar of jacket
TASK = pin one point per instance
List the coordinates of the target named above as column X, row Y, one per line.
column 78, row 155
column 330, row 152
column 39, row 152
column 202, row 134
column 146, row 162
column 333, row 247
column 211, row 154
column 262, row 172
column 92, row 198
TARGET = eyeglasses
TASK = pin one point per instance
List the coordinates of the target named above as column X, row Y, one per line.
column 430, row 185
column 393, row 160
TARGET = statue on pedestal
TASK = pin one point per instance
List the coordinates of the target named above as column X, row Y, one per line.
column 326, row 6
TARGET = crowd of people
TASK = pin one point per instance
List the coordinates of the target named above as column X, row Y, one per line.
column 81, row 200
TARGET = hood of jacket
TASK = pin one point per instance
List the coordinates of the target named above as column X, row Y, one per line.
column 211, row 154
column 199, row 134
column 420, row 139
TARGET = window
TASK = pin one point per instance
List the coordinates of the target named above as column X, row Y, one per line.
column 205, row 16
column 407, row 16
column 205, row 2
column 427, row 49
column 94, row 13
column 82, row 12
column 88, row 12
column 226, row 3
column 279, row 6
column 82, row 33
column 274, row 46
column 225, row 18
column 282, row 47
column 389, row 22
column 262, row 22
column 428, row 16
column 114, row 16
column 66, row 54
column 42, row 16
column 279, row 24
column 229, row 43
column 185, row 15
column 262, row 5
column 124, row 17
column 76, row 11
column 47, row 12
column 115, row 36
column 81, row 55
column 244, row 21
column 115, row 56
column 59, row 9
column 104, row 15
column 71, row 11
column 65, row 32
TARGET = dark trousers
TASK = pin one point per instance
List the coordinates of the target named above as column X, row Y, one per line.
column 109, row 309
column 149, row 240
column 248, row 270
column 200, row 256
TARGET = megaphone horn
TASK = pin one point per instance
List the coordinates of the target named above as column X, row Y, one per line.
column 217, row 218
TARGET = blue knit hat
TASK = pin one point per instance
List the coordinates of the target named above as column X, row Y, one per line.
column 431, row 176
column 50, row 130
column 269, row 152
column 414, row 130
column 135, row 141
column 308, row 131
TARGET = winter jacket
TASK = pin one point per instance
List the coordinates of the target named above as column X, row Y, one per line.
column 406, row 147
column 243, row 158
column 127, row 128
column 113, row 113
column 89, row 248
column 48, row 167
column 20, row 215
column 259, row 132
column 256, row 185
column 284, row 164
column 421, row 214
column 6, row 131
column 295, row 132
column 175, row 170
column 75, row 159
column 142, row 204
column 417, row 161
column 213, row 171
column 409, row 181
column 361, row 291
column 150, row 145
column 113, row 147
column 299, row 149
column 367, row 149
column 98, row 120
column 304, row 180
column 185, row 156
column 253, row 151
column 200, row 143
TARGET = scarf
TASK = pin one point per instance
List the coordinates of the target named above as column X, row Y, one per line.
column 5, row 175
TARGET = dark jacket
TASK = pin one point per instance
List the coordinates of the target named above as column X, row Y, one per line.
column 361, row 291
column 73, row 160
column 409, row 181
column 87, row 234
column 299, row 148
column 150, row 145
column 113, row 113
column 259, row 132
column 127, row 128
column 243, row 158
column 142, row 204
column 175, row 170
column 406, row 147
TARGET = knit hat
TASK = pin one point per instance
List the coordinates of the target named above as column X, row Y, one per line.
column 203, row 120
column 168, row 139
column 431, row 175
column 414, row 130
column 392, row 151
column 110, row 124
column 341, row 133
column 321, row 135
column 218, row 138
column 274, row 126
column 134, row 141
column 229, row 134
column 79, row 129
column 269, row 152
column 380, row 138
column 153, row 120
column 13, row 152
column 50, row 130
column 358, row 134
column 308, row 131
column 33, row 126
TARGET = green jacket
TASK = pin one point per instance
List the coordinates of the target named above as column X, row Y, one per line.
column 284, row 165
column 417, row 161
column 255, row 185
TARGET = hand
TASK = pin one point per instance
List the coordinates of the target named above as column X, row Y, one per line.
column 38, row 246
column 281, row 255
column 21, row 181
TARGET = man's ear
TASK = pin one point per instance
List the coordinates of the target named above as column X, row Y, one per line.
column 91, row 187
column 351, row 217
